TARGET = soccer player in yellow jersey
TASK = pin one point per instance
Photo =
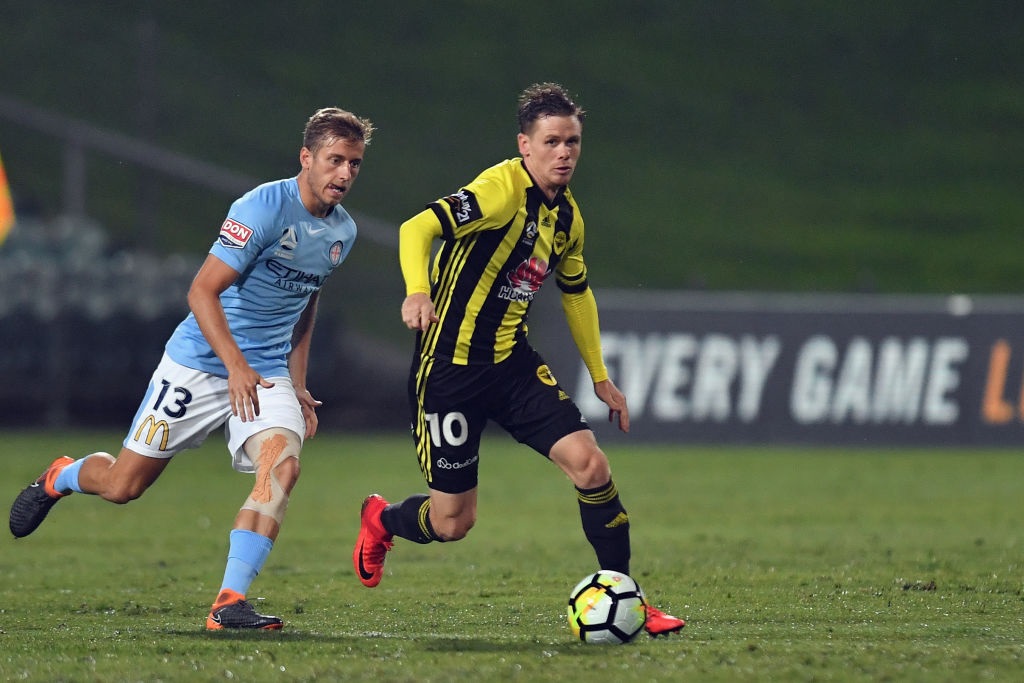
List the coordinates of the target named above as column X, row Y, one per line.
column 502, row 235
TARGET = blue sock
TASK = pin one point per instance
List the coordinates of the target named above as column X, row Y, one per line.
column 248, row 552
column 68, row 477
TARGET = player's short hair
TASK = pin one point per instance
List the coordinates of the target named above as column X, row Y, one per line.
column 546, row 99
column 331, row 123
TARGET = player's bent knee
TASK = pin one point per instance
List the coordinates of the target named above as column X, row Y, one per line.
column 587, row 469
column 453, row 529
column 582, row 460
column 275, row 452
column 287, row 472
column 124, row 493
column 597, row 473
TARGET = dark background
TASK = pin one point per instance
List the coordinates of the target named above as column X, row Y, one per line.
column 792, row 146
column 765, row 146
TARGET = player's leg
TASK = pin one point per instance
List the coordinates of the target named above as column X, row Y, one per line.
column 539, row 413
column 118, row 480
column 544, row 417
column 438, row 517
column 171, row 417
column 418, row 518
column 272, row 453
column 605, row 520
column 180, row 408
column 447, row 421
column 275, row 454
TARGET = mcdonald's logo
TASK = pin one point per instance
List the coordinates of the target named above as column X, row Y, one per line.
column 151, row 424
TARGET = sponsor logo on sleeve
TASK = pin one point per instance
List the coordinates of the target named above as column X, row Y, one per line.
column 234, row 235
column 464, row 207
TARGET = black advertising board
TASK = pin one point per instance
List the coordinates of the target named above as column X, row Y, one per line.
column 761, row 368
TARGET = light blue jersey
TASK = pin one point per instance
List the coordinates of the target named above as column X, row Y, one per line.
column 282, row 254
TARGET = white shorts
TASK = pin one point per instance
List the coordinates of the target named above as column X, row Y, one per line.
column 183, row 406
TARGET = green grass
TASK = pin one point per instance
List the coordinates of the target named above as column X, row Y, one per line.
column 814, row 565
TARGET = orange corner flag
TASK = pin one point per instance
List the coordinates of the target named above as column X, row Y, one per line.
column 6, row 205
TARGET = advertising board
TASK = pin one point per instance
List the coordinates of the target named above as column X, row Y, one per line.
column 764, row 368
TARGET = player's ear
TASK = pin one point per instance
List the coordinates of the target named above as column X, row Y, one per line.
column 305, row 158
column 524, row 144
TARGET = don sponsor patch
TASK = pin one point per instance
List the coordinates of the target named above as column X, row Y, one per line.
column 234, row 235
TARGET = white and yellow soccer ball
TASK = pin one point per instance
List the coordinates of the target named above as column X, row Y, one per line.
column 606, row 607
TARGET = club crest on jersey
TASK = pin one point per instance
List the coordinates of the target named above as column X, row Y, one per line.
column 545, row 376
column 559, row 244
column 335, row 252
column 464, row 207
column 524, row 280
column 233, row 234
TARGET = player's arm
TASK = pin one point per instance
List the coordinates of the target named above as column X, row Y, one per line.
column 298, row 363
column 414, row 240
column 581, row 313
column 213, row 278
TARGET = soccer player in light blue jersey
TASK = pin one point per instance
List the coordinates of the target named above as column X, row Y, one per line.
column 239, row 360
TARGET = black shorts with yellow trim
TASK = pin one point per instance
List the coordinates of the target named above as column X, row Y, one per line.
column 450, row 405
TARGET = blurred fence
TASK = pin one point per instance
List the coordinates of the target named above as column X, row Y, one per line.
column 82, row 328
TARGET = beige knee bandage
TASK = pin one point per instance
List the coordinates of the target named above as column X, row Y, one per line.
column 267, row 450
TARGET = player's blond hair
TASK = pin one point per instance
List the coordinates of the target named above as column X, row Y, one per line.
column 331, row 123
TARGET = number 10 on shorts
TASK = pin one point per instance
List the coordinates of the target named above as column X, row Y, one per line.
column 451, row 430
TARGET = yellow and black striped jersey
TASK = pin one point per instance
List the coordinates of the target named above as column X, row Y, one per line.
column 501, row 239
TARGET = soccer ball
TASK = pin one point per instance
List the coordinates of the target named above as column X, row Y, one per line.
column 606, row 607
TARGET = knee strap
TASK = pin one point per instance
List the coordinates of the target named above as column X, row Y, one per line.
column 267, row 450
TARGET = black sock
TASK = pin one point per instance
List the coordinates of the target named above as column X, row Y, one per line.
column 410, row 519
column 606, row 526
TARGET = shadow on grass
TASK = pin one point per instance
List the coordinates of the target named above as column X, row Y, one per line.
column 281, row 636
column 435, row 644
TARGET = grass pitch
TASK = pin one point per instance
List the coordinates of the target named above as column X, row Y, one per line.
column 788, row 564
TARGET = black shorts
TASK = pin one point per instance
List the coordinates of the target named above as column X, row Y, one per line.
column 450, row 405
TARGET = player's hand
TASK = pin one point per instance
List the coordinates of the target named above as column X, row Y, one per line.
column 242, row 386
column 418, row 311
column 309, row 406
column 616, row 402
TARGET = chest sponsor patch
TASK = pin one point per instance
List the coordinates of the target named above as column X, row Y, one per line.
column 234, row 235
column 524, row 280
